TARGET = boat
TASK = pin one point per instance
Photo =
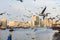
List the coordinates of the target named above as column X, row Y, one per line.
column 2, row 28
column 56, row 27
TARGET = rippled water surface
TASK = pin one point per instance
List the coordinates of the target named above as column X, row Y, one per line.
column 28, row 34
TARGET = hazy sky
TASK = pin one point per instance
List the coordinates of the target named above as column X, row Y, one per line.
column 16, row 9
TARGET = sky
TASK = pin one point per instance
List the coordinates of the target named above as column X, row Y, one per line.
column 16, row 10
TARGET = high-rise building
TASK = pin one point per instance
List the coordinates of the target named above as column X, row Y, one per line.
column 36, row 20
column 3, row 22
column 46, row 22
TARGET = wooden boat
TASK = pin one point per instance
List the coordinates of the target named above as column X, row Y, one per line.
column 11, row 30
column 2, row 28
column 56, row 27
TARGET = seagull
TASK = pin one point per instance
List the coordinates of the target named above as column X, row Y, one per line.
column 27, row 16
column 20, row 0
column 57, row 20
column 29, row 11
column 2, row 13
column 58, row 16
column 34, row 0
column 42, row 13
column 45, row 15
column 53, row 8
column 8, row 14
column 51, row 18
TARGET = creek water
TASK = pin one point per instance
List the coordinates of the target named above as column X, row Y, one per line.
column 28, row 34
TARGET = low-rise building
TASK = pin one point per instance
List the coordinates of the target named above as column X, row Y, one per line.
column 18, row 24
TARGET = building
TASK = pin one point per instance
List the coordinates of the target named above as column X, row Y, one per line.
column 46, row 22
column 36, row 21
column 3, row 22
column 18, row 24
column 49, row 22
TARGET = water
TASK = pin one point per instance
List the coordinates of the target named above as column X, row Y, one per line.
column 28, row 34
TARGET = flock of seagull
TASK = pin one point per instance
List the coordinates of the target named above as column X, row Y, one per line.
column 40, row 14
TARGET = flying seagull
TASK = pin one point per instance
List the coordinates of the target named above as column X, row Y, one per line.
column 52, row 18
column 29, row 11
column 58, row 16
column 45, row 15
column 34, row 0
column 53, row 8
column 42, row 13
column 27, row 16
column 20, row 0
column 57, row 20
column 2, row 13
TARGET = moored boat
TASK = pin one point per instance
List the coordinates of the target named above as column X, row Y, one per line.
column 2, row 28
column 56, row 27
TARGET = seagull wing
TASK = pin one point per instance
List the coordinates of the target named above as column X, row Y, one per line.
column 20, row 0
column 43, row 10
column 2, row 13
